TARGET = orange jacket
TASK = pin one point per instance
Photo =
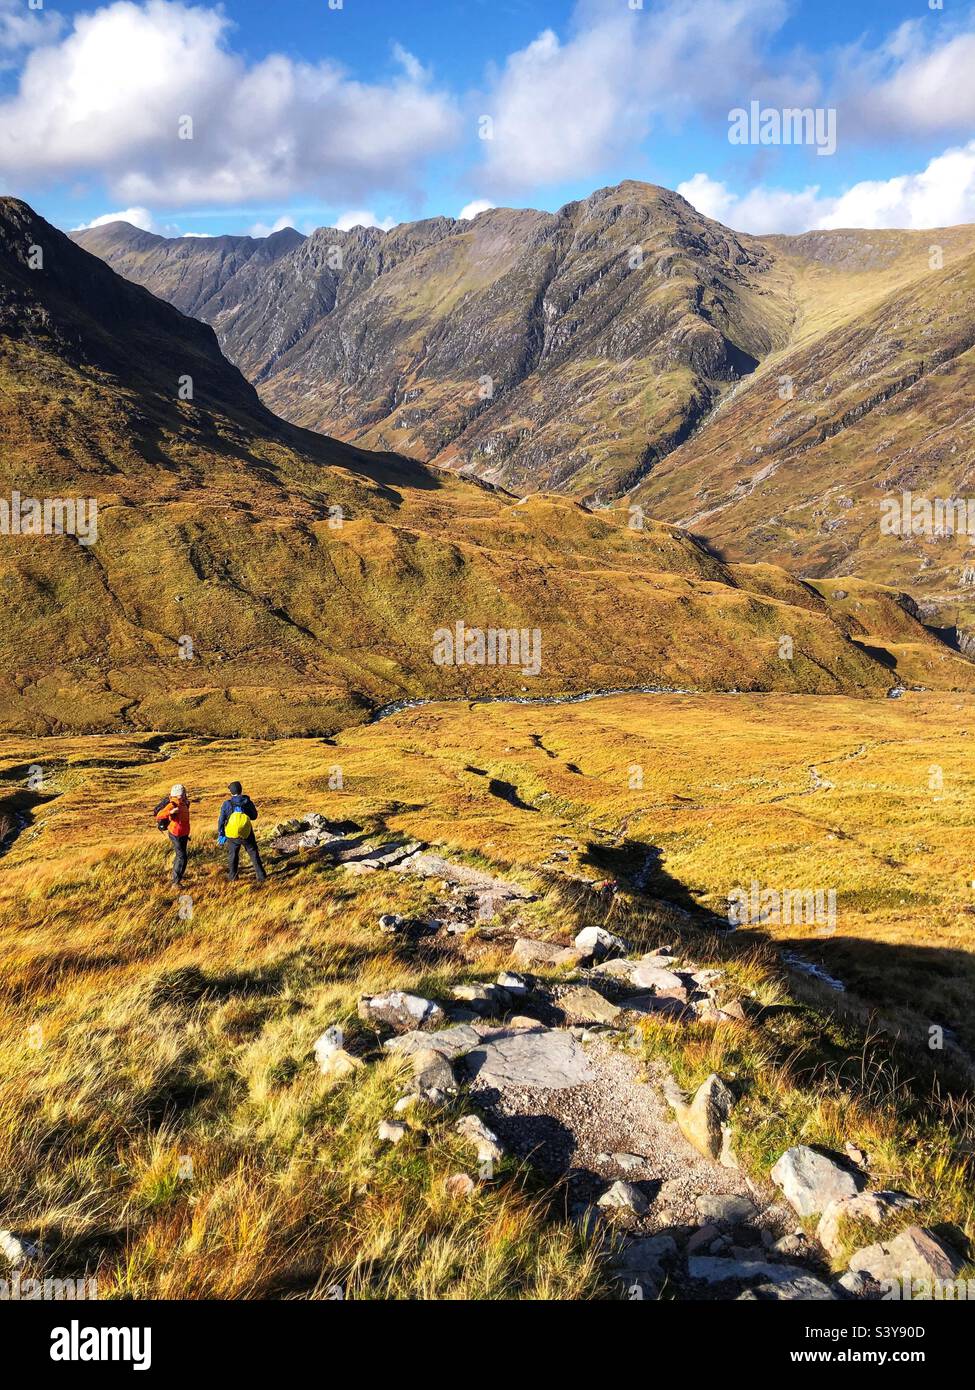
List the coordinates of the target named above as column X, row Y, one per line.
column 178, row 815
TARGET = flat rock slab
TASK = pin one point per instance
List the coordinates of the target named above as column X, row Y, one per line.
column 452, row 1042
column 547, row 1059
column 434, row 866
column 713, row 1270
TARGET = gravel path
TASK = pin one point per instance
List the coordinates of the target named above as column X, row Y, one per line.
column 580, row 1132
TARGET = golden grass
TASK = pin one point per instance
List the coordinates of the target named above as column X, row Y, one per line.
column 162, row 1120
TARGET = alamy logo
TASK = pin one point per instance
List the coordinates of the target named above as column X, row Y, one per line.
column 22, row 1288
column 786, row 907
column 910, row 515
column 77, row 1343
column 50, row 516
column 496, row 646
column 792, row 125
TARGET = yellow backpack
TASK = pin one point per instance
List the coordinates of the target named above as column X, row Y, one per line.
column 238, row 826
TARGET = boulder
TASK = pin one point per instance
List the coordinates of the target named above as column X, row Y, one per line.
column 712, row 1269
column 623, row 1196
column 483, row 999
column 514, row 985
column 866, row 1208
column 733, row 1011
column 858, row 1285
column 401, row 1012
column 705, row 1122
column 645, row 1257
column 596, row 943
column 657, row 981
column 706, row 977
column 702, row 1239
column 433, row 1077
column 792, row 1247
column 338, row 1064
column 804, row 1288
column 630, row 1163
column 811, row 1178
column 916, row 1253
column 329, row 1043
column 726, row 1209
column 17, row 1250
column 528, row 952
column 663, row 1004
column 584, row 1005
column 459, row 1186
column 616, row 969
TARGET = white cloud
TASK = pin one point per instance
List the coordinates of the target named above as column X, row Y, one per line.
column 471, row 210
column 410, row 64
column 262, row 229
column 136, row 217
column 562, row 109
column 23, row 28
column 108, row 98
column 363, row 218
column 917, row 82
column 940, row 195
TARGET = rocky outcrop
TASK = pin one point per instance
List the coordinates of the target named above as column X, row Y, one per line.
column 845, row 1215
column 402, row 1012
column 811, row 1179
column 915, row 1254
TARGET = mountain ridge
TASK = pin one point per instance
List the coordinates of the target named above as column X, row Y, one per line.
column 252, row 577
column 537, row 351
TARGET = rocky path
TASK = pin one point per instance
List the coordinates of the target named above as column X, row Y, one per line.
column 594, row 1121
column 547, row 1060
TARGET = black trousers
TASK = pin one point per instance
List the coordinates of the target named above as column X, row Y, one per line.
column 179, row 843
column 253, row 854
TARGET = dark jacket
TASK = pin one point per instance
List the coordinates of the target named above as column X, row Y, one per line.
column 232, row 804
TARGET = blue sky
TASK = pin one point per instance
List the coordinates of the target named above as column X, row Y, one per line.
column 207, row 118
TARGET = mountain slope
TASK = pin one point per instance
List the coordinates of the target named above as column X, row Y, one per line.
column 540, row 350
column 668, row 373
column 252, row 577
column 882, row 386
column 188, row 272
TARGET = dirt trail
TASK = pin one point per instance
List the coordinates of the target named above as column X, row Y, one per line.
column 581, row 1132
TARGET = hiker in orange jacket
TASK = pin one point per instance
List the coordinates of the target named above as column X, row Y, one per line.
column 173, row 815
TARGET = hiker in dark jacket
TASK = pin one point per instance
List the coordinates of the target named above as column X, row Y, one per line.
column 173, row 815
column 234, row 829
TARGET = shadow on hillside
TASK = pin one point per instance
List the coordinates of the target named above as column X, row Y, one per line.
column 639, row 867
column 932, row 983
column 913, row 987
column 879, row 654
column 17, row 809
column 507, row 791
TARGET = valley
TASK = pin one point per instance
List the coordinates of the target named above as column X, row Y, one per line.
column 516, row 758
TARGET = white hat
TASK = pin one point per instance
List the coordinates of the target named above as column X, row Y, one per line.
column 178, row 791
